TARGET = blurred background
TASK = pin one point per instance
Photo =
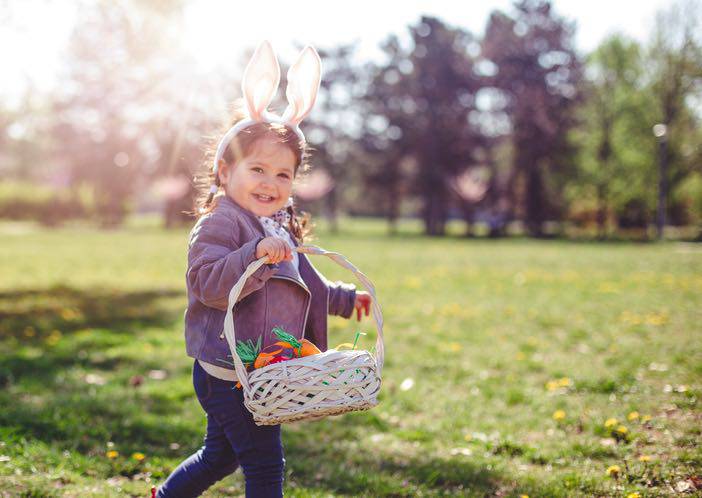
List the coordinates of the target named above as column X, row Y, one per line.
column 540, row 118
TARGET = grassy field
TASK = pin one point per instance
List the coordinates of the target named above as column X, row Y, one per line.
column 513, row 367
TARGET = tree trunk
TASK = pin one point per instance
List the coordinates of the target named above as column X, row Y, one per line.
column 534, row 202
column 332, row 211
column 601, row 211
column 468, row 218
column 435, row 213
column 393, row 210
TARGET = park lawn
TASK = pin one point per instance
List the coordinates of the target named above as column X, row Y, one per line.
column 504, row 363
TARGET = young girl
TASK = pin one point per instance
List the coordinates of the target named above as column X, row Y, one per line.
column 249, row 214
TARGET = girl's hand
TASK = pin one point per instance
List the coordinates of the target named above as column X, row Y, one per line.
column 276, row 249
column 363, row 301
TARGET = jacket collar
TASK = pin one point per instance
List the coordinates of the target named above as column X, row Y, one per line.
column 285, row 268
column 225, row 200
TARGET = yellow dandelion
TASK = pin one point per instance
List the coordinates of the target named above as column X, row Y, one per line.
column 613, row 471
column 520, row 356
column 657, row 319
column 53, row 337
column 633, row 495
column 413, row 282
column 645, row 458
column 451, row 309
column 112, row 454
column 468, row 437
column 611, row 422
column 559, row 415
column 631, row 318
column 523, row 496
column 633, row 416
column 454, row 346
column 552, row 385
column 68, row 314
column 608, row 288
column 645, row 418
column 138, row 456
column 564, row 382
column 622, row 429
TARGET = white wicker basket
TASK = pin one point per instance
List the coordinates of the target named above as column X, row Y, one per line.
column 316, row 386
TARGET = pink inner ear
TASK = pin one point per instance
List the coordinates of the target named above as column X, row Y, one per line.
column 261, row 79
column 303, row 83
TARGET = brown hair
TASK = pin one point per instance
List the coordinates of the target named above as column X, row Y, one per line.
column 241, row 146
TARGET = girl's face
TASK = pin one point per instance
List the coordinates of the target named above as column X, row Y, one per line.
column 263, row 180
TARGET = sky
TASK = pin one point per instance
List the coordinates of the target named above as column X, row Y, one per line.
column 217, row 30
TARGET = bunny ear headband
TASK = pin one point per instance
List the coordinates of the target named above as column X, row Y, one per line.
column 259, row 85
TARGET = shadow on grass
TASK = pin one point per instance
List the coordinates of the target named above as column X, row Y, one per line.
column 86, row 321
column 36, row 313
column 53, row 337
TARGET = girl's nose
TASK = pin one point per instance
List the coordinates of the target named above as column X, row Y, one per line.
column 268, row 184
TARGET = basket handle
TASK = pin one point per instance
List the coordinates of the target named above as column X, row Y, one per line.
column 309, row 249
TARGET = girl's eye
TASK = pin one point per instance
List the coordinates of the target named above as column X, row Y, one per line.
column 257, row 169
column 284, row 175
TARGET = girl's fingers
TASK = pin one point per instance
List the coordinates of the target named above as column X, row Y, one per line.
column 279, row 250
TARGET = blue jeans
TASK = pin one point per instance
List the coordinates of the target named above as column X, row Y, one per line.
column 232, row 439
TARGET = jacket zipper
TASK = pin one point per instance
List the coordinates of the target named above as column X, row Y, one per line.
column 309, row 300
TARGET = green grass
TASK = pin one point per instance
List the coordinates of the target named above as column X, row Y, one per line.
column 496, row 335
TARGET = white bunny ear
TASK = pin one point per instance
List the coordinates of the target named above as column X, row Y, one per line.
column 261, row 79
column 303, row 84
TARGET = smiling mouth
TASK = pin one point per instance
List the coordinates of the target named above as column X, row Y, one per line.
column 265, row 199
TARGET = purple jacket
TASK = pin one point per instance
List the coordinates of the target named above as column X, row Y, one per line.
column 222, row 244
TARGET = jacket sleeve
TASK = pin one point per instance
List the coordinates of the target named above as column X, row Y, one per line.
column 216, row 262
column 342, row 297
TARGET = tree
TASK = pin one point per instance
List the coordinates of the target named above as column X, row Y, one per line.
column 675, row 61
column 538, row 72
column 613, row 135
column 334, row 139
column 112, row 102
column 389, row 160
column 421, row 102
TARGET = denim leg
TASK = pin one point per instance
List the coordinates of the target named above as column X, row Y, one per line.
column 259, row 449
column 211, row 463
column 232, row 439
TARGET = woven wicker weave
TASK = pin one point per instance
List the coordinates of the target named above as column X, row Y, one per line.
column 316, row 386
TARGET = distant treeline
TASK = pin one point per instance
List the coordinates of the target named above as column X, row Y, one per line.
column 516, row 126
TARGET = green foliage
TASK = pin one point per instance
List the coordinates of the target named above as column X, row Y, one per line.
column 291, row 339
column 617, row 150
column 48, row 206
column 689, row 194
column 248, row 351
